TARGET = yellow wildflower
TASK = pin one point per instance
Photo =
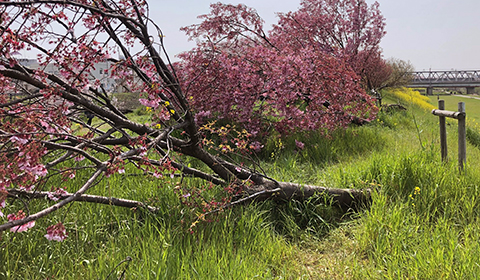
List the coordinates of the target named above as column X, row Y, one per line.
column 416, row 191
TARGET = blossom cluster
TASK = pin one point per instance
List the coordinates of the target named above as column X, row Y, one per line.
column 306, row 74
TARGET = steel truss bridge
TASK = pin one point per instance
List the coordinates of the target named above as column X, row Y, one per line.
column 468, row 79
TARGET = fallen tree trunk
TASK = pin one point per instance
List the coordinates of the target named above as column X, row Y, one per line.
column 393, row 107
column 343, row 198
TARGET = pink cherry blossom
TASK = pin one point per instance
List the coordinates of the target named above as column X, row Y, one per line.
column 256, row 146
column 18, row 140
column 20, row 215
column 300, row 145
column 56, row 232
column 308, row 73
column 55, row 196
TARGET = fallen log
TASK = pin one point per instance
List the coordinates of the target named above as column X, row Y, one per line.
column 342, row 198
column 393, row 107
column 345, row 199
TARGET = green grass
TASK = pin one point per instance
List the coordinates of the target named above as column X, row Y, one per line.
column 423, row 222
column 160, row 245
column 472, row 105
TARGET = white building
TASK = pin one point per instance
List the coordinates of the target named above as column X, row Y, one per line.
column 101, row 72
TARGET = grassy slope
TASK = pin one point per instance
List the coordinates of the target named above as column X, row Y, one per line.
column 423, row 223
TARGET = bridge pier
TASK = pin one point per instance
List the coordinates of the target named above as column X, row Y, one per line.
column 429, row 91
column 470, row 90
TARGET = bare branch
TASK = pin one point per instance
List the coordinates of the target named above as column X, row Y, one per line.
column 82, row 198
column 55, row 207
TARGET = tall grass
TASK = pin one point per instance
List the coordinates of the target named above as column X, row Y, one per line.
column 423, row 222
column 237, row 244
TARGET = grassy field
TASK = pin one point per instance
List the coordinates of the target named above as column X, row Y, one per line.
column 472, row 105
column 423, row 222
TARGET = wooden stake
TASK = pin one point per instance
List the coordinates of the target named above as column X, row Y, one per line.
column 443, row 132
column 462, row 137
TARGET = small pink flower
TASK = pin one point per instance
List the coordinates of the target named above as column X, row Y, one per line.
column 300, row 145
column 256, row 146
column 55, row 196
column 52, row 197
column 86, row 88
column 149, row 103
column 79, row 158
column 3, row 196
column 163, row 115
column 56, row 232
column 20, row 215
column 18, row 140
column 121, row 171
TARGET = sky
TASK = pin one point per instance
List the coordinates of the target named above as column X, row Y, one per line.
column 431, row 34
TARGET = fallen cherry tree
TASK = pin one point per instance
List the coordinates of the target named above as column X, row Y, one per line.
column 41, row 105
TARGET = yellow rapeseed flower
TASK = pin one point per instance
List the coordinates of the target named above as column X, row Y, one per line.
column 416, row 191
column 412, row 96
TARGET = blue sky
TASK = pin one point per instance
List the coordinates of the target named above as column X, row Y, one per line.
column 431, row 34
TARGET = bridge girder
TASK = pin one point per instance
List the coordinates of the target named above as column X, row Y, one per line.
column 426, row 79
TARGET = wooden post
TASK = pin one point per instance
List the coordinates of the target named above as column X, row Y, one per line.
column 462, row 132
column 462, row 137
column 443, row 132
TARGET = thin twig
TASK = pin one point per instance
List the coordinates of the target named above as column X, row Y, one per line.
column 128, row 259
column 242, row 200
